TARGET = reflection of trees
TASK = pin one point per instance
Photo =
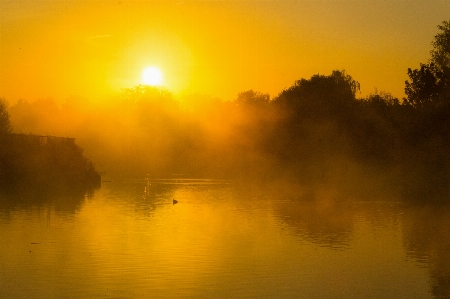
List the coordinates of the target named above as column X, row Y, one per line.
column 63, row 201
column 327, row 217
column 426, row 240
column 318, row 218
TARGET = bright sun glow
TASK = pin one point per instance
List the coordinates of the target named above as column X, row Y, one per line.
column 152, row 76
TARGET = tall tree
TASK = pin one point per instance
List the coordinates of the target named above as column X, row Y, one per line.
column 320, row 94
column 440, row 55
column 429, row 86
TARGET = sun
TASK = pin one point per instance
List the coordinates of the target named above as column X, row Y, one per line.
column 152, row 76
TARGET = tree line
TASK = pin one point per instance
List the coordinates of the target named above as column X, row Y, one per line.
column 31, row 163
column 316, row 131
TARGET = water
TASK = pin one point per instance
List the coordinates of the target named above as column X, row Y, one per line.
column 221, row 240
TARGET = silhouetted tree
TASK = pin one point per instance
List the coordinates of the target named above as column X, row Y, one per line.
column 428, row 134
column 382, row 99
column 5, row 123
column 374, row 127
column 140, row 94
column 251, row 97
column 151, row 106
column 429, row 86
column 426, row 87
column 440, row 55
column 320, row 95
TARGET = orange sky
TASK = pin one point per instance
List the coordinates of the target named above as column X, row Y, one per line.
column 92, row 49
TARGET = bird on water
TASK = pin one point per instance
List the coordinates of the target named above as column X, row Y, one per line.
column 174, row 201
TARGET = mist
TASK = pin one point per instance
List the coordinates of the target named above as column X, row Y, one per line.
column 316, row 132
column 145, row 130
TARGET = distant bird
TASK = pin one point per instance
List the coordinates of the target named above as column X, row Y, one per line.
column 174, row 201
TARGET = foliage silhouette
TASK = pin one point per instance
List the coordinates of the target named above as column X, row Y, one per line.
column 315, row 132
column 5, row 123
column 44, row 162
column 321, row 95
column 429, row 86
column 251, row 97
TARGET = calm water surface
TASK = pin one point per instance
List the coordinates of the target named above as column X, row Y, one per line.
column 221, row 240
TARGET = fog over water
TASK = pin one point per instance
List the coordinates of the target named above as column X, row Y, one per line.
column 315, row 132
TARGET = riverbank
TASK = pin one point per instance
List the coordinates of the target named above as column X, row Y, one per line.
column 44, row 163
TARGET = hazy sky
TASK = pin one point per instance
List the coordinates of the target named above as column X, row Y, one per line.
column 92, row 49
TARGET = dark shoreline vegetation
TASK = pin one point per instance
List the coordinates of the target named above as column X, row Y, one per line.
column 315, row 133
column 47, row 166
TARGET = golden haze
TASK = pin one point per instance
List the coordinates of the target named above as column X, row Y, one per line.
column 92, row 49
